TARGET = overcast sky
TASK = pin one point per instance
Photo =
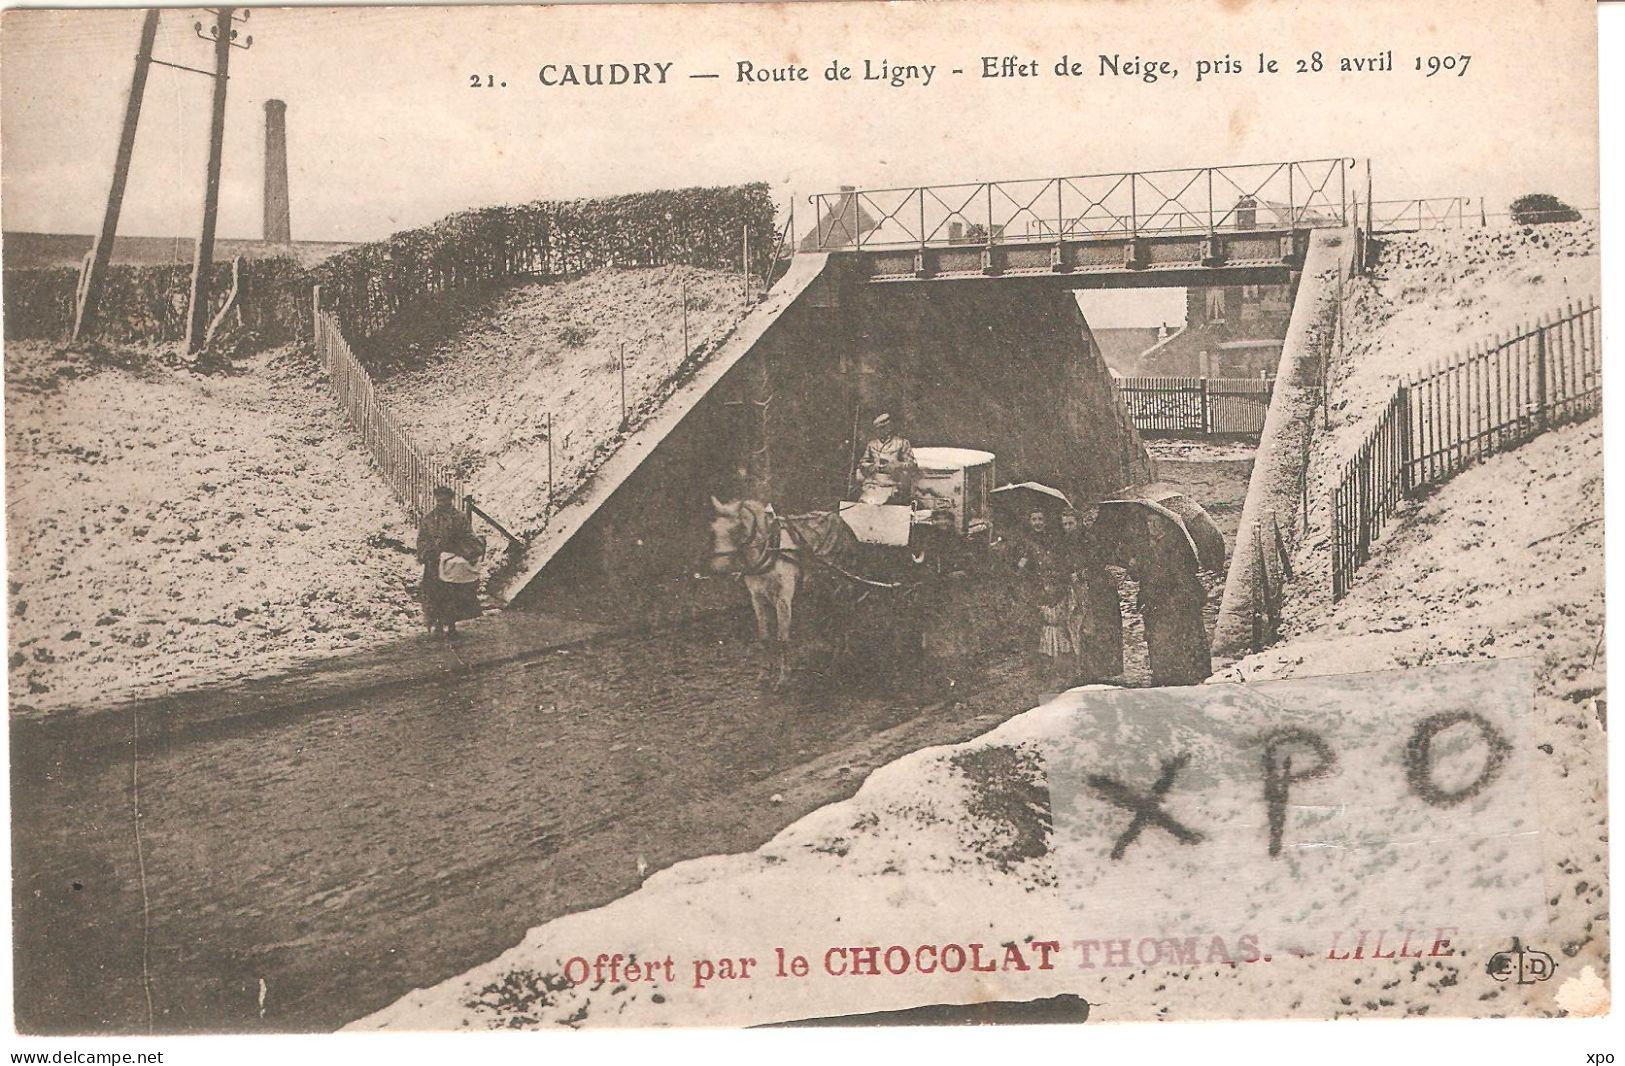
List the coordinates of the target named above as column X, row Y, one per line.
column 385, row 132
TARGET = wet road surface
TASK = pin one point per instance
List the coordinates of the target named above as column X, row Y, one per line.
column 301, row 873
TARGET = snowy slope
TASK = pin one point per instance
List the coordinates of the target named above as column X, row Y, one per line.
column 167, row 528
column 1429, row 298
column 1432, row 296
column 1504, row 561
column 483, row 396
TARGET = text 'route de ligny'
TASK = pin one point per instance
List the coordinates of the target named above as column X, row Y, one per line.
column 914, row 72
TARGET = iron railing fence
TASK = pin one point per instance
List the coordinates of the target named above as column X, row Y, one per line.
column 1500, row 395
column 572, row 453
column 1287, row 195
column 1200, row 406
column 1424, row 213
column 1446, row 419
column 1369, row 492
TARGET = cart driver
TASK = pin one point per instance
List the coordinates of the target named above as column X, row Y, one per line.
column 886, row 472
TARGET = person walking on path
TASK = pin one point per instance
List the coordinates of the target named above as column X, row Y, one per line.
column 1095, row 614
column 447, row 548
column 1171, row 600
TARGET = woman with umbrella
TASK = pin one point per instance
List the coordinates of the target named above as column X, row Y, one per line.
column 1171, row 601
column 1164, row 537
column 1095, row 613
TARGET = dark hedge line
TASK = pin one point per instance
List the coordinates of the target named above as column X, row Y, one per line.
column 147, row 304
column 367, row 285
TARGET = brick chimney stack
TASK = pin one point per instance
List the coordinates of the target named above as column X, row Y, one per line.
column 277, row 227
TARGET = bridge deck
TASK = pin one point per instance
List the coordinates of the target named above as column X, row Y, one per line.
column 1233, row 258
column 1208, row 224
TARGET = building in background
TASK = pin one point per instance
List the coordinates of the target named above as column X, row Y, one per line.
column 1122, row 346
column 1231, row 331
column 842, row 224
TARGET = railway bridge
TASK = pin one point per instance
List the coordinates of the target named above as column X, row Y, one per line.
column 952, row 306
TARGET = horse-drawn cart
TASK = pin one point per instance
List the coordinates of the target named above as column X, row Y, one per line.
column 950, row 504
column 884, row 580
column 919, row 589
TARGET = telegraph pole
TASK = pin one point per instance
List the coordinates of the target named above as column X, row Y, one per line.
column 197, row 319
column 85, row 313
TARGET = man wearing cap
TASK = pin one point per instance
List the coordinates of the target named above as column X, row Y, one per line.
column 886, row 472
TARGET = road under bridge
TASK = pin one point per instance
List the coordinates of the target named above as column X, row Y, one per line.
column 951, row 307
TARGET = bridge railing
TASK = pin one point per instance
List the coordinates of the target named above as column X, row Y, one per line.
column 1426, row 213
column 1259, row 196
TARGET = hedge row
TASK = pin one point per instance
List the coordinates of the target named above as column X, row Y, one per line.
column 368, row 285
column 148, row 303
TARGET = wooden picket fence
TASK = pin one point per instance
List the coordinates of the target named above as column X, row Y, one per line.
column 410, row 473
column 1501, row 395
column 1438, row 423
column 1197, row 406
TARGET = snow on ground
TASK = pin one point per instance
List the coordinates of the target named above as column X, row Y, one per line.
column 1429, row 298
column 168, row 527
column 956, row 848
column 1432, row 296
column 1503, row 561
column 483, row 394
column 955, row 844
column 1201, row 450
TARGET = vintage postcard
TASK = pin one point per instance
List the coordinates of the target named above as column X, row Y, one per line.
column 727, row 515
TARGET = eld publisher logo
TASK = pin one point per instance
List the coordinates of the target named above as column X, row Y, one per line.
column 1526, row 965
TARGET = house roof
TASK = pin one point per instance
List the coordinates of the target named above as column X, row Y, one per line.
column 1122, row 345
column 1283, row 214
column 842, row 223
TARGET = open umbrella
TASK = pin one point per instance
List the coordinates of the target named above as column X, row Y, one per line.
column 1025, row 497
column 1123, row 520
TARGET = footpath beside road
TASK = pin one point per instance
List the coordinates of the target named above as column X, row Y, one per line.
column 492, row 640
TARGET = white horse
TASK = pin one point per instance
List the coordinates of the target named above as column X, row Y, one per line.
column 771, row 554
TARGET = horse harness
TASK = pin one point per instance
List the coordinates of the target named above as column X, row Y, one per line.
column 769, row 544
column 771, row 549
